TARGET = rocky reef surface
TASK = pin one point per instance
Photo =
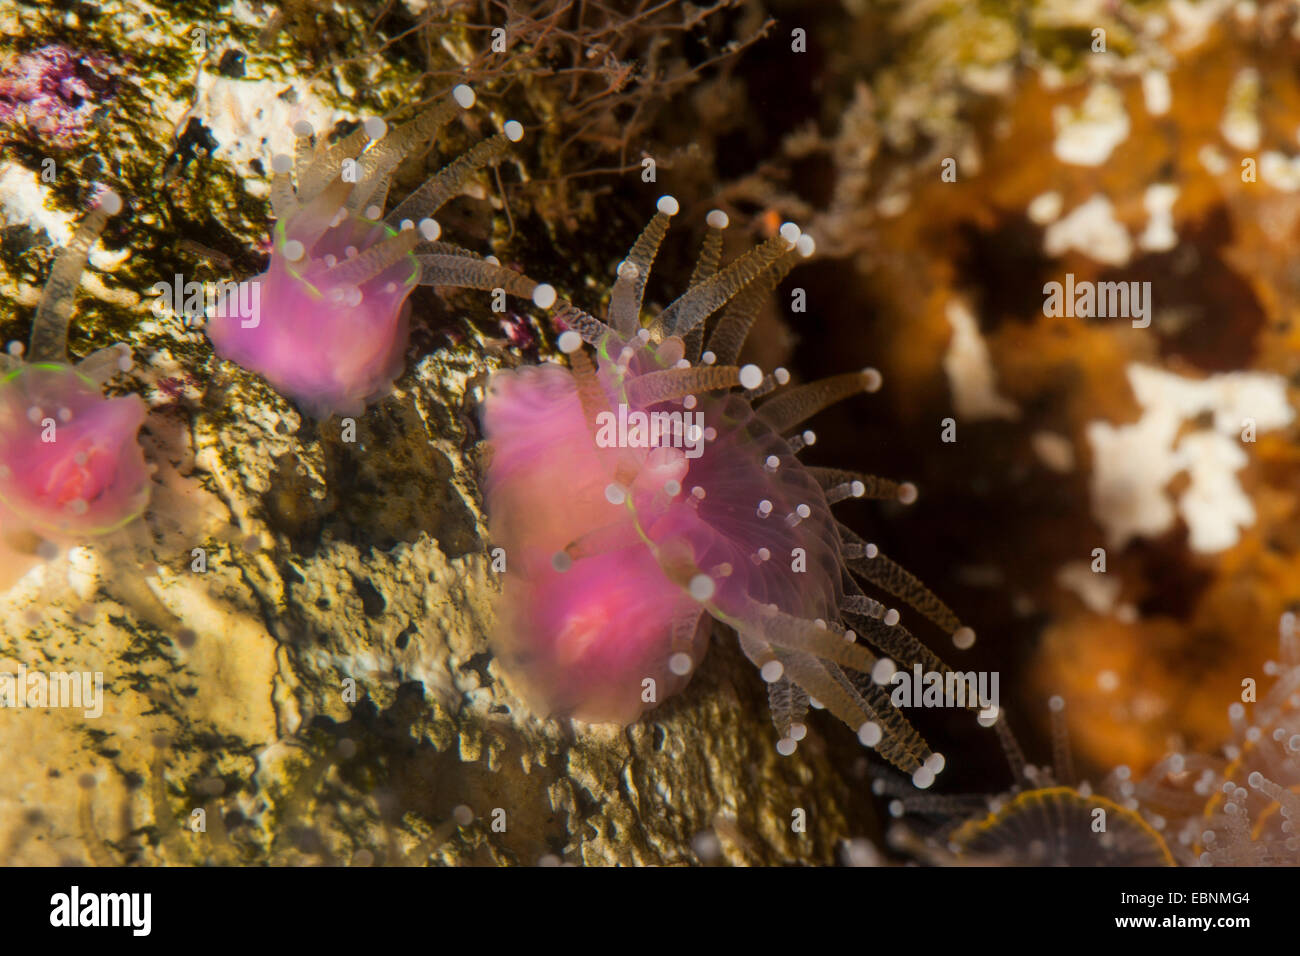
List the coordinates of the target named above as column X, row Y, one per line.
column 322, row 690
column 330, row 697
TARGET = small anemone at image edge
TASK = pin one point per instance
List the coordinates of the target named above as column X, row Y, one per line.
column 71, row 467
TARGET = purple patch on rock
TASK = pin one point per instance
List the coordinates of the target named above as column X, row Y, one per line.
column 53, row 91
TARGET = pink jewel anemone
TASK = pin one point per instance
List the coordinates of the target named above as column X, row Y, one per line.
column 71, row 466
column 327, row 323
column 684, row 501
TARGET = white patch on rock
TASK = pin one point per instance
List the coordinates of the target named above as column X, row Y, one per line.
column 1280, row 171
column 996, row 80
column 1098, row 592
column 250, row 120
column 1240, row 123
column 1133, row 464
column 1193, row 19
column 1087, row 136
column 970, row 370
column 1045, row 208
column 1093, row 230
column 1159, row 235
column 1212, row 159
column 1214, row 505
column 1156, row 93
column 23, row 203
column 893, row 205
column 83, row 572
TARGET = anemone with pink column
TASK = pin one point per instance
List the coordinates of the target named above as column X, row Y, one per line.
column 619, row 556
column 331, row 327
column 71, row 466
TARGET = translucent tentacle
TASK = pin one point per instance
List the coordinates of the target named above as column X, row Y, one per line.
column 808, row 673
column 586, row 325
column 893, row 640
column 591, row 394
column 430, row 197
column 733, row 327
column 873, row 486
column 885, row 574
column 304, row 149
column 327, row 165
column 674, row 383
column 797, row 634
column 699, row 303
column 386, row 152
column 474, row 274
column 756, row 649
column 284, row 200
column 903, row 747
column 790, row 408
column 1011, row 748
column 903, row 648
column 375, row 201
column 948, row 806
column 840, row 492
column 374, row 164
column 711, row 250
column 629, row 287
column 900, row 743
column 102, row 365
column 670, row 351
column 1062, row 763
column 706, row 266
column 374, row 260
column 440, row 248
column 316, row 216
column 694, row 343
column 789, row 705
column 49, row 342
column 864, row 606
column 898, row 643
column 771, row 382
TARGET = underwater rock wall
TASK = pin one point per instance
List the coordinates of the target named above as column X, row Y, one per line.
column 330, row 697
column 294, row 639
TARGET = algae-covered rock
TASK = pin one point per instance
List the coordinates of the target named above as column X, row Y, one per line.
column 293, row 643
